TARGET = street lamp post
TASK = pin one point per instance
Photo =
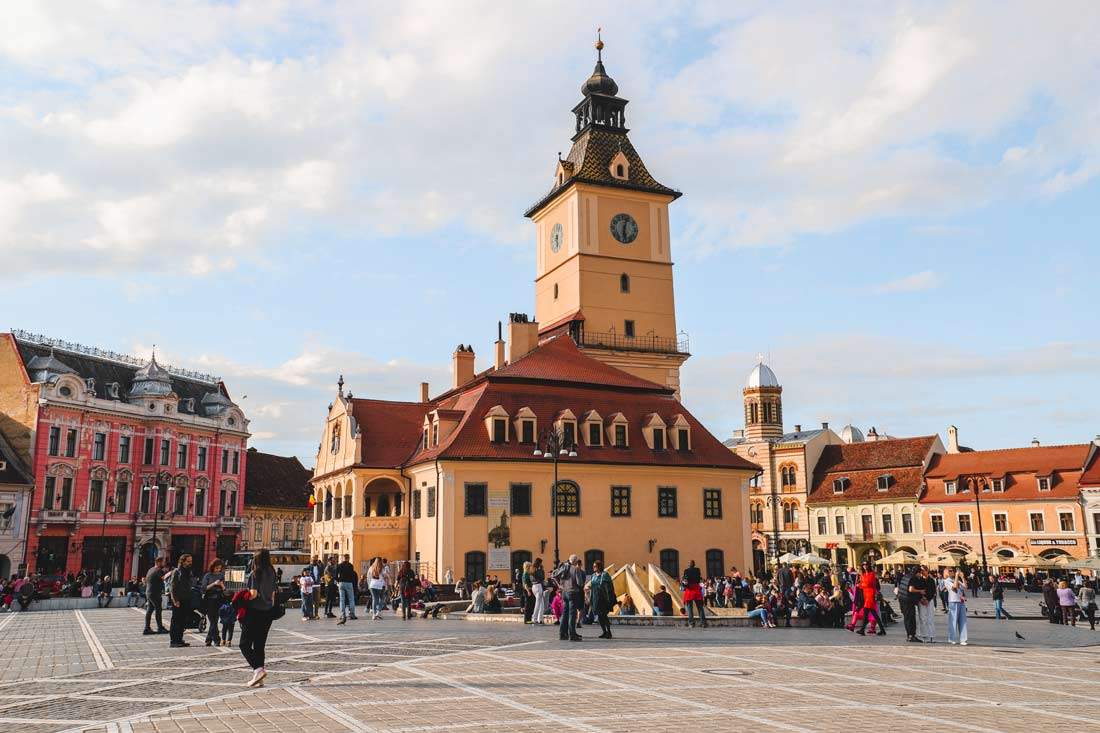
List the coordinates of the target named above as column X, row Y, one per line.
column 154, row 496
column 977, row 486
column 555, row 445
column 108, row 505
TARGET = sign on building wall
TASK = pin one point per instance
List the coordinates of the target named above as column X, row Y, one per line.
column 500, row 535
column 1053, row 542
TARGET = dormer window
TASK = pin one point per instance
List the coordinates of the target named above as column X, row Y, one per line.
column 658, row 440
column 679, row 433
column 997, row 485
column 425, row 442
column 619, row 167
column 500, row 430
column 435, row 433
column 593, row 428
column 1044, row 483
column 884, row 482
column 840, row 484
column 653, row 430
column 950, row 487
column 566, row 425
column 620, row 436
column 683, row 439
column 524, row 425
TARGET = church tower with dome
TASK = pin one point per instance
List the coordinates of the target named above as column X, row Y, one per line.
column 763, row 398
column 603, row 251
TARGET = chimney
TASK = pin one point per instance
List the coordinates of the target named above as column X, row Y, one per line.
column 500, row 346
column 523, row 336
column 424, row 392
column 824, row 426
column 797, row 428
column 1034, row 442
column 952, row 439
column 463, row 365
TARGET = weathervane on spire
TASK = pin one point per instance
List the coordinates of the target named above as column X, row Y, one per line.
column 759, row 358
column 599, row 45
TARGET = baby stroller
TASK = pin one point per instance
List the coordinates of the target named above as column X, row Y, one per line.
column 196, row 619
column 889, row 616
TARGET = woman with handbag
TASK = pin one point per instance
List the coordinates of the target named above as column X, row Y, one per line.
column 213, row 596
column 260, row 611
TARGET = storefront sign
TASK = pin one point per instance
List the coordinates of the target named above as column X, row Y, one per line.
column 830, row 545
column 955, row 545
column 1057, row 542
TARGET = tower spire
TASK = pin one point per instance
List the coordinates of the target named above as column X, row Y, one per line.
column 599, row 46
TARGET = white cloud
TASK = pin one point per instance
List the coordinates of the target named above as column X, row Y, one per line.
column 925, row 280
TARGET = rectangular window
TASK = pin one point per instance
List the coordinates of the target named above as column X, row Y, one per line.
column 521, row 500
column 288, row 532
column 435, row 433
column 259, row 530
column 998, row 485
column 964, row 523
column 883, row 483
column 682, row 441
column 937, row 522
column 1037, row 523
column 628, row 329
column 595, row 433
column 274, row 532
column 165, row 451
column 95, row 495
column 1065, row 521
column 200, row 503
column 620, row 501
column 70, row 443
column 416, row 504
column 887, row 523
column 569, row 433
column 202, row 457
column 66, row 494
column 122, row 497
column 500, row 430
column 179, row 501
column 1000, row 522
column 225, row 460
column 236, row 461
column 1096, row 523
column 475, row 500
column 181, row 455
column 424, row 442
column 907, row 523
column 822, row 526
column 658, row 439
column 949, row 487
column 620, row 436
column 527, row 431
column 99, row 447
column 1044, row 483
column 143, row 499
column 839, row 521
column 124, row 449
column 712, row 503
column 55, row 441
column 431, row 501
column 48, row 499
column 147, row 459
column 666, row 501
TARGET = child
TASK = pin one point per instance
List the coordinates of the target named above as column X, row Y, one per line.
column 557, row 606
column 228, row 616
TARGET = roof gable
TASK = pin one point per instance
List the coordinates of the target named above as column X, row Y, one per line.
column 272, row 480
column 863, row 463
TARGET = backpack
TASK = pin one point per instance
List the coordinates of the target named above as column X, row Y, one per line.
column 901, row 590
column 227, row 614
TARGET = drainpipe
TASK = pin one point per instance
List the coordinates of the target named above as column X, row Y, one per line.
column 438, row 514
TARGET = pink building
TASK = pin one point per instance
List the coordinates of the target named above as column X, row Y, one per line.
column 130, row 459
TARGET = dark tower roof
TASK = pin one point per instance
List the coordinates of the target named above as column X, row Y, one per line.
column 599, row 82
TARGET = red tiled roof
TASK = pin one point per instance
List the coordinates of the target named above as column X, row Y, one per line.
column 575, row 316
column 559, row 360
column 389, row 431
column 1020, row 467
column 863, row 463
column 272, row 480
column 1091, row 475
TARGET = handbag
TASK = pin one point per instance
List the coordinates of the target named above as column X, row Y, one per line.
column 278, row 610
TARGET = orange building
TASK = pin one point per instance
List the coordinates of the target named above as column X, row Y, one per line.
column 1090, row 497
column 1028, row 498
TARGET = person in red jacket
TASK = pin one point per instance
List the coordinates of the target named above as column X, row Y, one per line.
column 868, row 581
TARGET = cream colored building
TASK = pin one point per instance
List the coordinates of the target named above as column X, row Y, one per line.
column 864, row 498
column 778, row 513
column 462, row 480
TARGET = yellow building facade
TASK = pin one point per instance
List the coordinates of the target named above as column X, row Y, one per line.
column 462, row 483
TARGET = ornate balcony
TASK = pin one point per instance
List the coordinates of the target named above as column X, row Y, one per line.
column 866, row 538
column 58, row 516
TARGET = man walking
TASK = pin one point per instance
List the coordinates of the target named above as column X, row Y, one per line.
column 345, row 585
column 317, row 570
column 179, row 593
column 154, row 597
column 997, row 590
column 693, row 593
column 570, row 577
column 910, row 592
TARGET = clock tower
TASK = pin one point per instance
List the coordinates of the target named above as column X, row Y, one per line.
column 603, row 262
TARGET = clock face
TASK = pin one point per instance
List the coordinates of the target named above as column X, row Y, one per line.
column 556, row 237
column 624, row 228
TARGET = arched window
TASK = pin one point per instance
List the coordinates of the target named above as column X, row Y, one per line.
column 518, row 558
column 591, row 556
column 716, row 563
column 624, row 283
column 788, row 475
column 670, row 563
column 788, row 513
column 569, row 499
column 475, row 566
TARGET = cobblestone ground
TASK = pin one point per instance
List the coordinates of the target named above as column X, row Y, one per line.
column 93, row 670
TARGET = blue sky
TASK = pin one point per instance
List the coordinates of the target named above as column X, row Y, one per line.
column 897, row 203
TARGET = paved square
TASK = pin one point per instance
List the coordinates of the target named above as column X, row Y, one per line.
column 93, row 670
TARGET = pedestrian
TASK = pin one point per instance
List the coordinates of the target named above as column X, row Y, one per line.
column 527, row 582
column 256, row 622
column 305, row 587
column 1087, row 600
column 133, row 593
column 538, row 591
column 213, row 596
column 228, row 616
column 602, row 597
column 868, row 582
column 1050, row 599
column 570, row 578
column 331, row 590
column 910, row 592
column 179, row 593
column 103, row 592
column 1067, row 602
column 317, row 571
column 926, row 617
column 693, row 594
column 662, row 602
column 997, row 591
column 407, row 585
column 955, row 585
column 345, row 585
column 154, row 597
column 376, row 583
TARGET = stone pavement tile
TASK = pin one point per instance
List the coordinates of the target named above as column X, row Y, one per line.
column 476, row 710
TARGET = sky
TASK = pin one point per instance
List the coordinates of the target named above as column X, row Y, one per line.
column 895, row 203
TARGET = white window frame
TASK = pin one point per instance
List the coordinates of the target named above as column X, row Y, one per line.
column 950, row 488
column 839, row 524
column 903, row 529
column 932, row 523
column 1007, row 526
column 1031, row 524
column 1040, row 480
column 969, row 521
column 997, row 485
column 1072, row 521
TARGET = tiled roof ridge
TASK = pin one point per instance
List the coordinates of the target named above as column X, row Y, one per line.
column 1022, row 448
column 389, row 402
